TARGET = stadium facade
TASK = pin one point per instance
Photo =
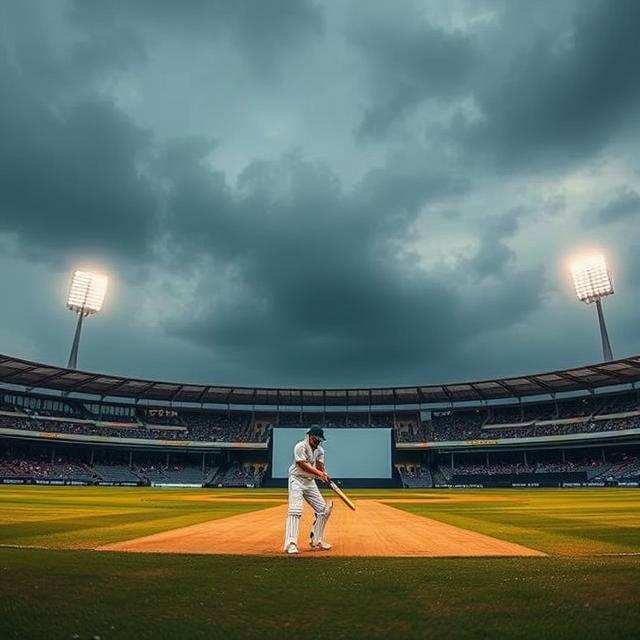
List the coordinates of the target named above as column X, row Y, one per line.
column 572, row 427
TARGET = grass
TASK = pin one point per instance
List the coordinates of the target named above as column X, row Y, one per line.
column 556, row 521
column 67, row 592
column 72, row 517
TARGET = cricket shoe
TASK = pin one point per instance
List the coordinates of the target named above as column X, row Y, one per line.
column 320, row 546
column 292, row 548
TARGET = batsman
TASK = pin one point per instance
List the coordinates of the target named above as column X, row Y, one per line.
column 308, row 464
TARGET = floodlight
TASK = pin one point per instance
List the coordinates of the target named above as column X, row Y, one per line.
column 86, row 296
column 592, row 283
column 87, row 292
column 591, row 278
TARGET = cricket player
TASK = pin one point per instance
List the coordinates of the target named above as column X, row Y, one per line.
column 308, row 464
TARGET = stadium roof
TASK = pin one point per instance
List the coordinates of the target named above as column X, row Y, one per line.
column 44, row 376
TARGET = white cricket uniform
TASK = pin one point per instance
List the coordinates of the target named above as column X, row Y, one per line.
column 302, row 486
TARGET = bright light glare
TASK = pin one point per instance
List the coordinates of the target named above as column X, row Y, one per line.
column 591, row 278
column 87, row 292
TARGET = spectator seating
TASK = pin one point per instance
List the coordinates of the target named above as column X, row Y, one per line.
column 247, row 475
column 414, row 476
column 626, row 466
column 116, row 473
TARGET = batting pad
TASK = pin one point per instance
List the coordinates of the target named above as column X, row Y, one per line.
column 292, row 529
column 319, row 523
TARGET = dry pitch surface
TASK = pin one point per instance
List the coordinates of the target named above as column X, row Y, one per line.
column 374, row 529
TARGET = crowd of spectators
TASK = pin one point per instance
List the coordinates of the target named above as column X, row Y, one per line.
column 464, row 425
column 506, row 415
column 503, row 468
column 197, row 425
column 220, row 428
column 414, row 476
column 485, row 423
column 462, row 431
column 161, row 418
column 241, row 475
column 217, row 427
column 524, row 420
column 515, row 468
column 414, row 433
column 623, row 466
column 86, row 428
column 43, row 467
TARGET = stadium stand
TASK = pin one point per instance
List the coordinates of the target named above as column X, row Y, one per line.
column 217, row 427
column 156, row 473
column 219, row 447
column 414, row 476
column 43, row 468
column 412, row 431
column 117, row 473
column 623, row 467
column 457, row 425
column 594, row 466
column 241, row 475
column 211, row 428
column 178, row 474
column 458, row 428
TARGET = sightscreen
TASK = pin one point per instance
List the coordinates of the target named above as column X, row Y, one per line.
column 349, row 453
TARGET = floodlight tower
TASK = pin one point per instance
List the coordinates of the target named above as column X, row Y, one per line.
column 592, row 282
column 86, row 296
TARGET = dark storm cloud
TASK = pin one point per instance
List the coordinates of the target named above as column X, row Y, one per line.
column 493, row 255
column 263, row 31
column 71, row 181
column 322, row 282
column 71, row 178
column 409, row 61
column 315, row 277
column 567, row 90
column 337, row 263
column 50, row 61
column 624, row 205
column 544, row 91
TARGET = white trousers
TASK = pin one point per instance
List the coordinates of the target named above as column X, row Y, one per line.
column 301, row 489
column 304, row 489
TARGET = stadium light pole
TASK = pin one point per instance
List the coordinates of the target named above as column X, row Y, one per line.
column 592, row 283
column 86, row 296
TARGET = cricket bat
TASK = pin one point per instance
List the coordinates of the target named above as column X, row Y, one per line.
column 341, row 495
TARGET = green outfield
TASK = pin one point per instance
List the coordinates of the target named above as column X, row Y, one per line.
column 53, row 586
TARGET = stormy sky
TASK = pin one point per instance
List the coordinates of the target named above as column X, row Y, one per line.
column 318, row 193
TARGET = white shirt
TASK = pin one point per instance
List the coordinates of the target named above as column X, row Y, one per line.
column 303, row 452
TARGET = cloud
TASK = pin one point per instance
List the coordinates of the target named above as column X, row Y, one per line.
column 409, row 61
column 71, row 182
column 518, row 91
column 317, row 279
column 262, row 31
column 625, row 204
column 256, row 240
column 493, row 255
column 565, row 94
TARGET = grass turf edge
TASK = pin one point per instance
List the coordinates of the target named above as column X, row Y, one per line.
column 64, row 593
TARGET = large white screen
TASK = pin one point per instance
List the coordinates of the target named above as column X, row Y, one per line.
column 349, row 453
